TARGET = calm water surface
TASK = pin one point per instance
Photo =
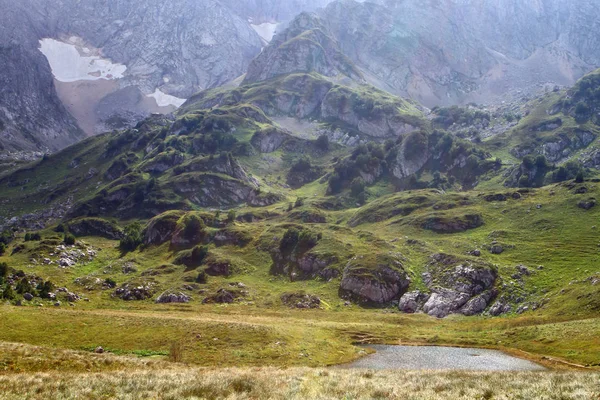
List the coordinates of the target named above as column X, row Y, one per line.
column 442, row 358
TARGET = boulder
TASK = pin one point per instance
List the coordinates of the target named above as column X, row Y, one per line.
column 28, row 296
column 219, row 268
column 587, row 204
column 499, row 307
column 374, row 280
column 495, row 197
column 496, row 249
column 412, row 302
column 131, row 292
column 172, row 297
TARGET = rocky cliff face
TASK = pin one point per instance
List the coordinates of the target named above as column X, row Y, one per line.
column 168, row 50
column 457, row 51
column 305, row 46
column 172, row 48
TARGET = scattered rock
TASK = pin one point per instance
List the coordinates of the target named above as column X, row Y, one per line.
column 130, row 292
column 223, row 296
column 301, row 300
column 496, row 249
column 458, row 286
column 28, row 296
column 170, row 297
column 99, row 350
column 495, row 197
column 499, row 307
column 587, row 204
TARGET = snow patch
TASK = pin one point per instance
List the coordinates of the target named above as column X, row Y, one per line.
column 70, row 65
column 266, row 30
column 166, row 100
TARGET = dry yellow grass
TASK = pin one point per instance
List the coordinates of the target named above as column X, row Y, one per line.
column 300, row 383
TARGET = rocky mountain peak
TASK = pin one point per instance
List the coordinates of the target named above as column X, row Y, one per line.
column 305, row 46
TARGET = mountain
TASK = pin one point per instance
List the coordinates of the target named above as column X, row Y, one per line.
column 109, row 67
column 459, row 51
column 325, row 178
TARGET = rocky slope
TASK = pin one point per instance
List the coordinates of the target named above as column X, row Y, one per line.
column 168, row 50
column 459, row 51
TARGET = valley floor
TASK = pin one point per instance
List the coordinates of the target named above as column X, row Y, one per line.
column 222, row 352
column 109, row 376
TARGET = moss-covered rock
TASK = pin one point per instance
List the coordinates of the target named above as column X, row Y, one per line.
column 374, row 280
column 95, row 227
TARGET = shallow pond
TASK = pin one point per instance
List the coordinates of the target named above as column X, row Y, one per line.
column 442, row 358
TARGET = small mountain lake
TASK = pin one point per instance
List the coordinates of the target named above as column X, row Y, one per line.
column 441, row 358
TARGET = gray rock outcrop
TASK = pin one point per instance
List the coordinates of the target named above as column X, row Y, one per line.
column 374, row 282
column 457, row 286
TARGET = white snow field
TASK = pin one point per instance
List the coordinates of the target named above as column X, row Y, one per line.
column 165, row 100
column 69, row 65
column 266, row 30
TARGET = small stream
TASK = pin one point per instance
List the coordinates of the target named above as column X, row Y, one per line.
column 441, row 358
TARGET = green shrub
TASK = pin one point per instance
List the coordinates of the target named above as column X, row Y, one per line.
column 69, row 239
column 33, row 237
column 44, row 289
column 357, row 187
column 199, row 253
column 2, row 249
column 579, row 178
column 299, row 202
column 132, row 237
column 24, row 286
column 193, row 226
column 322, row 142
column 201, row 278
column 231, row 215
column 301, row 165
column 3, row 272
column 289, row 240
column 111, row 283
column 8, row 292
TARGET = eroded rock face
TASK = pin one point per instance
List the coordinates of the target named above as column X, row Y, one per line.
column 307, row 265
column 269, row 140
column 305, row 46
column 178, row 47
column 95, row 227
column 412, row 302
column 162, row 228
column 451, row 224
column 446, row 53
column 457, row 286
column 377, row 284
